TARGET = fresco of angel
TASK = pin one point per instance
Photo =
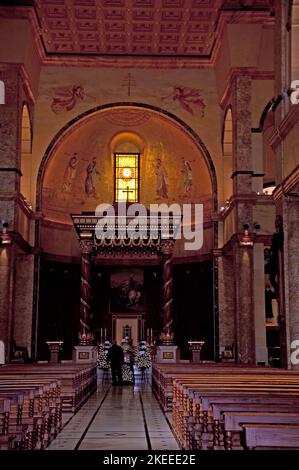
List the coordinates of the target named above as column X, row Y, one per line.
column 66, row 98
column 189, row 99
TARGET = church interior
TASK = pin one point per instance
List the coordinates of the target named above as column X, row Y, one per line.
column 149, row 184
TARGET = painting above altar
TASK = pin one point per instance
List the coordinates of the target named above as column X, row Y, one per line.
column 127, row 290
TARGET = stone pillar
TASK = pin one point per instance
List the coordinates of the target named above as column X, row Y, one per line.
column 23, row 300
column 291, row 277
column 6, row 296
column 10, row 119
column 167, row 253
column 85, row 333
column 244, row 200
column 245, row 335
column 242, row 143
column 261, row 350
column 226, row 300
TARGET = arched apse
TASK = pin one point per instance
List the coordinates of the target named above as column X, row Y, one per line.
column 136, row 113
column 167, row 145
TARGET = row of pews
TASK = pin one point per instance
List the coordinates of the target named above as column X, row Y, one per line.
column 33, row 398
column 230, row 407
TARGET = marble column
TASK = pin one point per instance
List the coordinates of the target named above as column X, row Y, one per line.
column 10, row 119
column 242, row 141
column 6, row 296
column 85, row 336
column 167, row 254
column 10, row 123
column 23, row 300
column 85, row 352
column 244, row 200
column 245, row 328
column 226, row 301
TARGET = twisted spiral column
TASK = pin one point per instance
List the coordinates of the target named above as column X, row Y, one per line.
column 167, row 336
column 85, row 298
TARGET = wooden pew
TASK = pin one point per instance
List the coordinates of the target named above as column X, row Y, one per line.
column 5, row 439
column 271, row 436
column 233, row 421
column 77, row 382
column 219, row 408
column 232, row 386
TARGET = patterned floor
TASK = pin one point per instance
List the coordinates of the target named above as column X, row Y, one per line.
column 118, row 418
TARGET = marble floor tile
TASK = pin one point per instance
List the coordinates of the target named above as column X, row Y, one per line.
column 114, row 444
column 119, row 422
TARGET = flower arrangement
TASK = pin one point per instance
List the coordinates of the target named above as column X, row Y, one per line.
column 102, row 357
column 143, row 358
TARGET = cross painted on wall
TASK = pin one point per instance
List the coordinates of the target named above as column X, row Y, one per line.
column 129, row 82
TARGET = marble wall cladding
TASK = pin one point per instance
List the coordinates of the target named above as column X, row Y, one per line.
column 7, row 212
column 264, row 215
column 242, row 110
column 226, row 299
column 8, row 180
column 9, row 118
column 23, row 296
column 243, row 267
column 242, row 183
column 244, row 216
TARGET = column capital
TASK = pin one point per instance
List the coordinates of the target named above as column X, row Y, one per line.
column 167, row 247
column 86, row 247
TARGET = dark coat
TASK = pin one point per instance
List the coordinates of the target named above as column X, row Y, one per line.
column 115, row 355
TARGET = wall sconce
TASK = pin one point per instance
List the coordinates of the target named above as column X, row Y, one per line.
column 257, row 227
column 246, row 239
column 4, row 236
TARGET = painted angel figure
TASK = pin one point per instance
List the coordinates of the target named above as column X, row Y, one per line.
column 187, row 172
column 189, row 98
column 91, row 171
column 70, row 174
column 66, row 98
column 162, row 179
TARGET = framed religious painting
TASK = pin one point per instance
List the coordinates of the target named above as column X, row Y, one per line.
column 127, row 290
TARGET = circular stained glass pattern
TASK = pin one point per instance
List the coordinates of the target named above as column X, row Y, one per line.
column 126, row 174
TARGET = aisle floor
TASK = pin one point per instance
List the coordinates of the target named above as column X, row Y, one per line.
column 118, row 418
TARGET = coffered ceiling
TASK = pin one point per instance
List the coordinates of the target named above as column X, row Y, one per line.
column 134, row 27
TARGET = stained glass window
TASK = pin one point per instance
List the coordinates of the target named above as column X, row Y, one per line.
column 127, row 177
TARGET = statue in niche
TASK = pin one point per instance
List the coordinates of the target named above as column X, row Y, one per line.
column 91, row 172
column 162, row 179
column 70, row 174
